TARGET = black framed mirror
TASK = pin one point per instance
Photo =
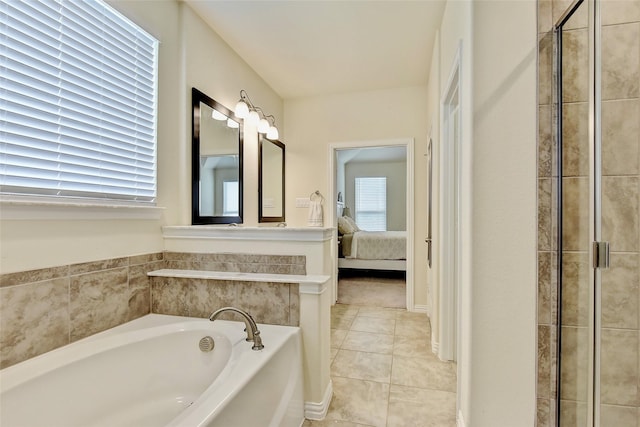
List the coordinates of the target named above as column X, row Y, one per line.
column 271, row 181
column 216, row 162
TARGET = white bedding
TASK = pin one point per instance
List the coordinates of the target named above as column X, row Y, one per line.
column 379, row 245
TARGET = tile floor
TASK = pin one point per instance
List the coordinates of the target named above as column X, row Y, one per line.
column 384, row 373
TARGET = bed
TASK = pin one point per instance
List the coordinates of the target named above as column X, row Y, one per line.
column 372, row 250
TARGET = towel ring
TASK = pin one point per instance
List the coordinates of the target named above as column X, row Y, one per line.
column 316, row 194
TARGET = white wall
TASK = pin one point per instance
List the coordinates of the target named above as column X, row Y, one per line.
column 455, row 37
column 433, row 118
column 502, row 298
column 496, row 357
column 314, row 123
column 190, row 54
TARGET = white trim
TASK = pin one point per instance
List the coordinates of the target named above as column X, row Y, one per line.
column 318, row 410
column 435, row 346
column 460, row 420
column 373, row 264
column 421, row 308
column 39, row 209
column 302, row 234
column 409, row 144
column 314, row 284
column 314, row 287
column 449, row 245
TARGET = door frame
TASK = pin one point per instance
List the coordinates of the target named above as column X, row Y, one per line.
column 408, row 143
column 452, row 219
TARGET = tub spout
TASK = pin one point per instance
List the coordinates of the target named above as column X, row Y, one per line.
column 253, row 334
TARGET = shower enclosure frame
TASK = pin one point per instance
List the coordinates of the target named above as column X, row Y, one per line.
column 598, row 250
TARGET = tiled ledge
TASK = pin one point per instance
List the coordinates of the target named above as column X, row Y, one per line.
column 297, row 234
column 309, row 284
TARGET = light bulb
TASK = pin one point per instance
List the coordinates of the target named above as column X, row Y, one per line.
column 232, row 124
column 242, row 109
column 263, row 126
column 253, row 118
column 272, row 134
column 217, row 115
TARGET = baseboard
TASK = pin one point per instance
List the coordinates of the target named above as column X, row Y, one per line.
column 460, row 420
column 420, row 308
column 316, row 411
column 435, row 346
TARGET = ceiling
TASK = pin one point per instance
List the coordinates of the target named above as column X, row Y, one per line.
column 312, row 47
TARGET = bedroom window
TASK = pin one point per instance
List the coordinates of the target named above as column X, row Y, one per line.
column 230, row 205
column 78, row 100
column 371, row 203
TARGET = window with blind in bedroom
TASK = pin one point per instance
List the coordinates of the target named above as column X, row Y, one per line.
column 371, row 203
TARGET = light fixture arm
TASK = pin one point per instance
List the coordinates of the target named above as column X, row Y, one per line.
column 244, row 97
column 266, row 123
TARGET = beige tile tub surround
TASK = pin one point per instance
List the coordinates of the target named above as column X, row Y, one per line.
column 245, row 263
column 41, row 310
column 268, row 302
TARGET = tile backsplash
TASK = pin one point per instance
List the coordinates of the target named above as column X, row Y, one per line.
column 244, row 263
column 41, row 310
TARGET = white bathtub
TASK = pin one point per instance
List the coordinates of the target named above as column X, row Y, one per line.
column 151, row 372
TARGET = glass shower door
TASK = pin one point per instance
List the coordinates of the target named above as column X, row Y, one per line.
column 599, row 190
column 575, row 235
column 617, row 376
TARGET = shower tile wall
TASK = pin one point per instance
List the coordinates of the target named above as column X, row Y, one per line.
column 547, row 213
column 620, row 366
column 620, row 376
column 41, row 310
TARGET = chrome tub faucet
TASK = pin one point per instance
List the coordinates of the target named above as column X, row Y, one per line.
column 253, row 334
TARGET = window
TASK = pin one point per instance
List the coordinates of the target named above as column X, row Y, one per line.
column 371, row 203
column 78, row 97
column 230, row 205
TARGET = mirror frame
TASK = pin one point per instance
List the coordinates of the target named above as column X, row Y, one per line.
column 196, row 219
column 261, row 217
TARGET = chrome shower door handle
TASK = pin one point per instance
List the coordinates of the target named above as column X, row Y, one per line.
column 601, row 255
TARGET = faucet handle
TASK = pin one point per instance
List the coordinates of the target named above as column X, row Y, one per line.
column 257, row 341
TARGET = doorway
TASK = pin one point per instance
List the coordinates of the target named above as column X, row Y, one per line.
column 407, row 145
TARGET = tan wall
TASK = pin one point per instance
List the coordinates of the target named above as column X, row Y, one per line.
column 314, row 123
column 190, row 54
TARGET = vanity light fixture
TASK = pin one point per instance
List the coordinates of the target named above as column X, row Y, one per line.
column 217, row 115
column 263, row 126
column 272, row 133
column 266, row 123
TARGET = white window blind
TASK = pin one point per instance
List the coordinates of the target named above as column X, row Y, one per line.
column 371, row 203
column 78, row 95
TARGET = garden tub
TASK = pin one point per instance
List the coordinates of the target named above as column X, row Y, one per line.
column 153, row 372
